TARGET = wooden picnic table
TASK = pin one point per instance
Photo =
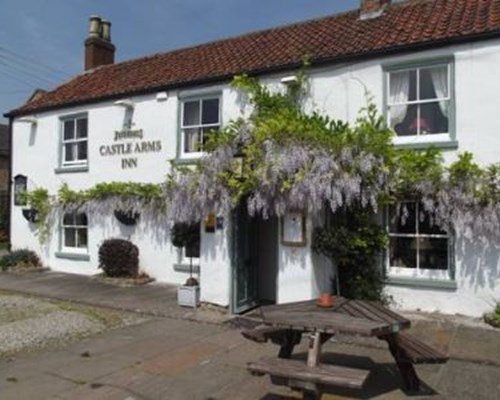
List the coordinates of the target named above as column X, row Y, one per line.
column 284, row 324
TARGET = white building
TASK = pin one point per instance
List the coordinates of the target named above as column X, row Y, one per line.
column 431, row 66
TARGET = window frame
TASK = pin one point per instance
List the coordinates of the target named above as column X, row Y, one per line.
column 442, row 140
column 62, row 234
column 416, row 274
column 62, row 142
column 181, row 154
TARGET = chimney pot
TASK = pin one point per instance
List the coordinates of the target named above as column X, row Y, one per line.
column 95, row 26
column 98, row 47
column 373, row 8
column 106, row 30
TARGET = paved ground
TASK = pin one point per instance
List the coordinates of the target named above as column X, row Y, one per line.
column 173, row 358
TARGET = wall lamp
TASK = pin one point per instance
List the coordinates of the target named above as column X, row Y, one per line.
column 127, row 103
column 28, row 120
column 287, row 80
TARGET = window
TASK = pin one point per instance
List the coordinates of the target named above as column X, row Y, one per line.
column 75, row 232
column 417, row 247
column 74, row 141
column 199, row 116
column 419, row 100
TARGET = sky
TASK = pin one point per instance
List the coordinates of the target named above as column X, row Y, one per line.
column 41, row 41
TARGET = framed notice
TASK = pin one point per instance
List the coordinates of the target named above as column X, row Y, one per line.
column 293, row 229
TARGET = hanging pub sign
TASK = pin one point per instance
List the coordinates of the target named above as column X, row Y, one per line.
column 20, row 189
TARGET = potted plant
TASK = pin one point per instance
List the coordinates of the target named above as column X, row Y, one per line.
column 30, row 214
column 187, row 236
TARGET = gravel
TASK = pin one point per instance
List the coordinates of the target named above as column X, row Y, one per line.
column 27, row 322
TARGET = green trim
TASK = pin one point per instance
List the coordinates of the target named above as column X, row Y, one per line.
column 186, row 268
column 70, row 170
column 422, row 283
column 427, row 62
column 72, row 256
column 448, row 145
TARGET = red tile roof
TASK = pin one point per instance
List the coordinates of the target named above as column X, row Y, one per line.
column 404, row 26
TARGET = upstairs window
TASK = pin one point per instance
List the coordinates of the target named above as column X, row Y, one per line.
column 199, row 116
column 74, row 141
column 417, row 247
column 75, row 232
column 419, row 100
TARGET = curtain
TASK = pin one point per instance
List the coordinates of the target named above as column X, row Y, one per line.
column 439, row 77
column 399, row 92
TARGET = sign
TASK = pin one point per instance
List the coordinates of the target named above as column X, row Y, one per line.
column 131, row 144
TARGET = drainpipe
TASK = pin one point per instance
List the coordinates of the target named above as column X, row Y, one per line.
column 9, row 225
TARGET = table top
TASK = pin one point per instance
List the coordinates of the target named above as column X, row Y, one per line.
column 346, row 316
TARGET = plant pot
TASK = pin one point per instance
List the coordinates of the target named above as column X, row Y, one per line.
column 326, row 300
column 188, row 296
column 128, row 218
column 30, row 214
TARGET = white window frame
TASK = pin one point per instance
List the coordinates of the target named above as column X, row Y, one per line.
column 417, row 273
column 76, row 249
column 444, row 138
column 190, row 155
column 74, row 142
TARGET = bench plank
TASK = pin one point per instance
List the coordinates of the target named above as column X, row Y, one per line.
column 330, row 375
column 419, row 352
column 262, row 333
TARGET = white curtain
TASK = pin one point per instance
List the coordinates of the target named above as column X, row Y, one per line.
column 440, row 81
column 399, row 92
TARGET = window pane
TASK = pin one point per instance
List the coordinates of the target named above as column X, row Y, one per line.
column 82, row 150
column 81, row 128
column 433, row 253
column 69, row 237
column 206, row 132
column 81, row 219
column 404, row 120
column 433, row 118
column 82, row 238
column 434, row 83
column 68, row 152
column 69, row 130
column 403, row 86
column 192, row 140
column 425, row 225
column 403, row 252
column 69, row 219
column 191, row 113
column 405, row 220
column 210, row 111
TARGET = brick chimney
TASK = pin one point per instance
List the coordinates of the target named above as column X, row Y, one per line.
column 373, row 8
column 98, row 47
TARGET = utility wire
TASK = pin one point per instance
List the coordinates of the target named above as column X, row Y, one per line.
column 19, row 70
column 33, row 61
column 20, row 80
column 15, row 63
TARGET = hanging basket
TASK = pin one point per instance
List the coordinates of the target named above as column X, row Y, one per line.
column 30, row 215
column 128, row 218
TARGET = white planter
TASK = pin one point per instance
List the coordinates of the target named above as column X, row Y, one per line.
column 188, row 296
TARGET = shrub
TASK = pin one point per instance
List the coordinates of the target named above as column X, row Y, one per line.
column 23, row 257
column 119, row 258
column 493, row 318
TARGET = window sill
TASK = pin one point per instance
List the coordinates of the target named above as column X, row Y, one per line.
column 422, row 283
column 424, row 142
column 187, row 161
column 186, row 268
column 72, row 169
column 73, row 256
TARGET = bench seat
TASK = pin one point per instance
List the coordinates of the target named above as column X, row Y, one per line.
column 296, row 370
column 263, row 333
column 419, row 352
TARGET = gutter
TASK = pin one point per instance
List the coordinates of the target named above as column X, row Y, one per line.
column 322, row 61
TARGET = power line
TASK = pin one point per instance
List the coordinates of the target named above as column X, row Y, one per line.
column 20, row 80
column 33, row 61
column 16, row 63
column 22, row 70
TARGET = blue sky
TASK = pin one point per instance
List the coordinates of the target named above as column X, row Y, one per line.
column 41, row 41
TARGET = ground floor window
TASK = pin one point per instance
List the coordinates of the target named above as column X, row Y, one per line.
column 417, row 247
column 74, row 232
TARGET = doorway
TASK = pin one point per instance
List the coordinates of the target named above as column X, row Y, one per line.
column 254, row 261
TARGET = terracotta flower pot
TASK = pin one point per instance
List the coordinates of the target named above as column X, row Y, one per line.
column 325, row 300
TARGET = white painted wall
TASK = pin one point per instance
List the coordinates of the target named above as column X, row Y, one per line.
column 339, row 91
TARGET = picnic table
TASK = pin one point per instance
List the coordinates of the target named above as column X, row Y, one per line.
column 284, row 325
